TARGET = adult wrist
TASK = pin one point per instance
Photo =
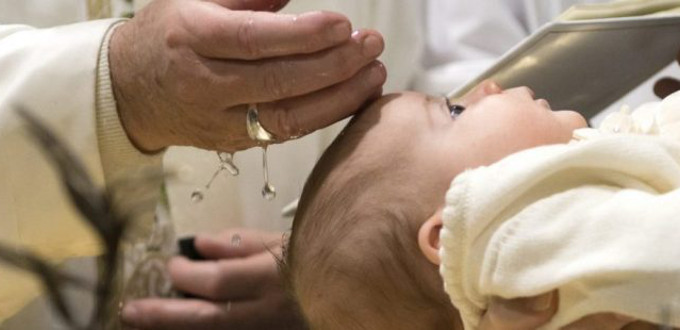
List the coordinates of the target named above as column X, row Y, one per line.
column 127, row 91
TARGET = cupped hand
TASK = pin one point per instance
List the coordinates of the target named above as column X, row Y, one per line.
column 237, row 287
column 185, row 71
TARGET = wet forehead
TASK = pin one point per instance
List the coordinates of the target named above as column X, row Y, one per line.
column 403, row 114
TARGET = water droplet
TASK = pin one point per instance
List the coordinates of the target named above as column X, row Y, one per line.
column 235, row 240
column 227, row 163
column 212, row 179
column 268, row 192
column 197, row 196
column 255, row 130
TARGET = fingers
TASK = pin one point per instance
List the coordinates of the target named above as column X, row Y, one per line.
column 641, row 325
column 271, row 80
column 171, row 314
column 302, row 115
column 521, row 313
column 249, row 35
column 666, row 86
column 258, row 5
column 226, row 279
column 237, row 243
column 601, row 321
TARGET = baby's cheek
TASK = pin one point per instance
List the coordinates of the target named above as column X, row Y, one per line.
column 571, row 120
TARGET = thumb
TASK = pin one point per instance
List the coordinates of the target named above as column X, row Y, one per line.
column 256, row 5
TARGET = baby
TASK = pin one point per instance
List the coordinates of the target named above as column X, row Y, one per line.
column 369, row 248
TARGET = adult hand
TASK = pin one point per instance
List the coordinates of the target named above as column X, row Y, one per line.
column 184, row 72
column 667, row 86
column 238, row 287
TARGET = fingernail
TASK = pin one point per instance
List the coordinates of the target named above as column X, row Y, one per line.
column 372, row 46
column 341, row 31
column 377, row 75
column 541, row 303
column 129, row 314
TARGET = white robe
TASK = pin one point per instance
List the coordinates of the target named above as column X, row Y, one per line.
column 61, row 75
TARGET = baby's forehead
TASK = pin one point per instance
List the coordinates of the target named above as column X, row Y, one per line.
column 394, row 111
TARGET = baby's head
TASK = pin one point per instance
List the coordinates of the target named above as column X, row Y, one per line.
column 363, row 252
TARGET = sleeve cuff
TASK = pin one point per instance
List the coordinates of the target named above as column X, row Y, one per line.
column 120, row 158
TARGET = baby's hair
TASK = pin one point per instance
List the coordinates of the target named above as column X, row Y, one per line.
column 353, row 260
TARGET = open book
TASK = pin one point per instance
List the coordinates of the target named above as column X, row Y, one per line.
column 591, row 55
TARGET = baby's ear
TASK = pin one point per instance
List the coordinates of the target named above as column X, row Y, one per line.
column 428, row 237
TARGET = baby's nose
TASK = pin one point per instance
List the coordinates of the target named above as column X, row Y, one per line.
column 484, row 89
column 522, row 91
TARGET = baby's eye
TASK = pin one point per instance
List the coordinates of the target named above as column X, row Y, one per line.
column 454, row 109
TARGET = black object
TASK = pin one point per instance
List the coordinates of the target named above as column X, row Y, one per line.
column 187, row 248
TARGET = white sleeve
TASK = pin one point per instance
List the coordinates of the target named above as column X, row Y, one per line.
column 61, row 75
column 464, row 38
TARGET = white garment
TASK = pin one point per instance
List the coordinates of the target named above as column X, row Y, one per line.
column 595, row 219
column 61, row 75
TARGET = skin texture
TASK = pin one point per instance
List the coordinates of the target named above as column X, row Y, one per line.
column 184, row 72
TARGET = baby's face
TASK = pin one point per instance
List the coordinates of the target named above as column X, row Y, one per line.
column 495, row 124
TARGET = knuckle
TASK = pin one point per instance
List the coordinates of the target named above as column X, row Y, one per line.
column 273, row 82
column 344, row 65
column 209, row 317
column 245, row 37
column 178, row 24
column 173, row 38
column 220, row 286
